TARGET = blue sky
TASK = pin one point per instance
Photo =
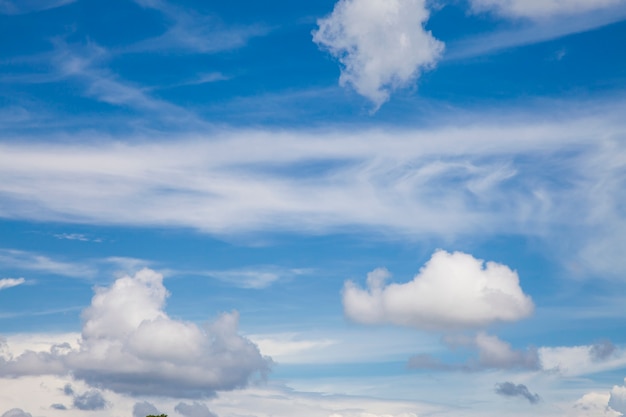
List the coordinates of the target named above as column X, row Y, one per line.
column 353, row 208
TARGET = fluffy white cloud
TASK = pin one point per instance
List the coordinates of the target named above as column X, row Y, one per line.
column 130, row 345
column 541, row 8
column 452, row 290
column 11, row 282
column 381, row 44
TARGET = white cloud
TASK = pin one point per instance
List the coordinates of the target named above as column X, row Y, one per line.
column 452, row 290
column 288, row 347
column 11, row 282
column 580, row 360
column 381, row 44
column 130, row 345
column 541, row 8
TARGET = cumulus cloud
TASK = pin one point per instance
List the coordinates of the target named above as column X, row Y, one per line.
column 194, row 410
column 381, row 44
column 453, row 290
column 143, row 409
column 130, row 345
column 11, row 282
column 509, row 389
column 59, row 406
column 535, row 9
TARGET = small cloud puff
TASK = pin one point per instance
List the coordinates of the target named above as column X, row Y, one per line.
column 509, row 389
column 381, row 44
column 452, row 291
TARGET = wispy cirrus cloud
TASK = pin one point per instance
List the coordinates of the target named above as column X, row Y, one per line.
column 488, row 175
column 531, row 32
column 254, row 277
column 12, row 7
column 538, row 9
column 190, row 31
column 30, row 261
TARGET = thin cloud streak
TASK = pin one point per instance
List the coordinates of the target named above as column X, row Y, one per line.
column 529, row 33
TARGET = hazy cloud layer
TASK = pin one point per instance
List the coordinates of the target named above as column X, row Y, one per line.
column 381, row 44
column 453, row 290
column 509, row 389
column 541, row 8
column 130, row 345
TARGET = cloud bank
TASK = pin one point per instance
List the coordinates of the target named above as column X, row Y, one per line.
column 381, row 44
column 130, row 345
column 452, row 291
